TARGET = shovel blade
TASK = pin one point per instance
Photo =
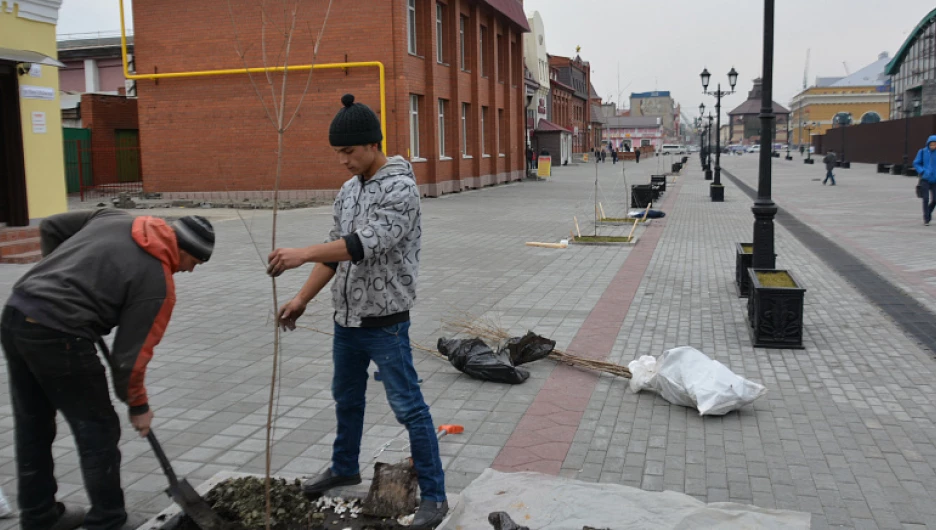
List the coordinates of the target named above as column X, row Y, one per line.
column 196, row 507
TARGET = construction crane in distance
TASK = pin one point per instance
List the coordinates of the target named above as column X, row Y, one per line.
column 847, row 71
column 806, row 70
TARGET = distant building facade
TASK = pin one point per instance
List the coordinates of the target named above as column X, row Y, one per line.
column 864, row 97
column 537, row 61
column 576, row 73
column 745, row 119
column 913, row 69
column 656, row 104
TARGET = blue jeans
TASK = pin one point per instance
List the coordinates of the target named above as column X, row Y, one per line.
column 828, row 176
column 928, row 190
column 389, row 348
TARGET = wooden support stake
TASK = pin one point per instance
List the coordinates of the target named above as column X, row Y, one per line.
column 603, row 215
column 577, row 231
column 545, row 245
column 644, row 218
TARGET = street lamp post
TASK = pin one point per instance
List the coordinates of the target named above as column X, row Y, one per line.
column 788, row 155
column 764, row 208
column 717, row 190
column 809, row 129
column 701, row 128
column 708, row 154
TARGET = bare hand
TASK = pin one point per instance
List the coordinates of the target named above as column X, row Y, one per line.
column 289, row 313
column 141, row 422
column 284, row 259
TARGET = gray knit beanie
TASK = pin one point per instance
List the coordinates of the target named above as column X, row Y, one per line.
column 355, row 124
column 195, row 235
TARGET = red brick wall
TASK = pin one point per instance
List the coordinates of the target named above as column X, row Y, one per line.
column 104, row 114
column 211, row 134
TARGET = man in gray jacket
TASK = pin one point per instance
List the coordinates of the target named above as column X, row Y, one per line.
column 372, row 251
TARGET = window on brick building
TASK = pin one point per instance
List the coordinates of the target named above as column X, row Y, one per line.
column 465, row 112
column 501, row 132
column 462, row 42
column 411, row 25
column 482, row 40
column 440, row 33
column 442, row 105
column 484, row 131
column 414, row 126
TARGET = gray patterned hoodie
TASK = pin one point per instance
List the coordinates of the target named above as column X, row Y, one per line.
column 380, row 221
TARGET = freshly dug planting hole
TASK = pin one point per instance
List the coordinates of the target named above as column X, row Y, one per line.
column 243, row 501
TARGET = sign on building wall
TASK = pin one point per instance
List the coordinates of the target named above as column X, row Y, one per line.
column 39, row 122
column 37, row 92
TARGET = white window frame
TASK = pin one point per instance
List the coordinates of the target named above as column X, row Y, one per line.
column 442, row 128
column 440, row 37
column 461, row 41
column 411, row 26
column 484, row 112
column 464, row 129
column 414, row 126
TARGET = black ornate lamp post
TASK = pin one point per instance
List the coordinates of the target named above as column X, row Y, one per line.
column 764, row 208
column 809, row 127
column 717, row 190
column 708, row 154
column 701, row 128
column 788, row 155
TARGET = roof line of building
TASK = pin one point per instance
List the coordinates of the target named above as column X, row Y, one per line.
column 894, row 65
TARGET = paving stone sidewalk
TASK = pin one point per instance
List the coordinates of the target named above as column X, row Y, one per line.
column 210, row 377
column 846, row 431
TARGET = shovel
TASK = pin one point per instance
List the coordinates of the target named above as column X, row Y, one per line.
column 185, row 495
column 393, row 490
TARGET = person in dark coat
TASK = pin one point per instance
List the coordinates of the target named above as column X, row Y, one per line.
column 637, row 154
column 613, row 156
column 829, row 160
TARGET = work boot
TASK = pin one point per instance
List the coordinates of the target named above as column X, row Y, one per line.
column 326, row 481
column 429, row 515
column 70, row 517
column 134, row 521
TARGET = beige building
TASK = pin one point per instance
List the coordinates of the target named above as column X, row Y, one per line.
column 534, row 54
column 862, row 97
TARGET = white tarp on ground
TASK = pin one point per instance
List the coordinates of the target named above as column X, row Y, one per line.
column 545, row 502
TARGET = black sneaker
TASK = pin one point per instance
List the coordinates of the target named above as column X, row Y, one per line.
column 326, row 481
column 70, row 517
column 429, row 515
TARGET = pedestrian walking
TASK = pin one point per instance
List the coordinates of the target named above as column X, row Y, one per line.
column 530, row 158
column 925, row 164
column 637, row 154
column 597, row 156
column 101, row 269
column 603, row 154
column 372, row 252
column 614, row 156
column 829, row 160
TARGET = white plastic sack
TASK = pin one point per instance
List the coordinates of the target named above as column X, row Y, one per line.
column 685, row 376
column 544, row 502
column 5, row 509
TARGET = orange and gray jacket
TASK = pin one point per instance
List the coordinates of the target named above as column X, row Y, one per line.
column 103, row 269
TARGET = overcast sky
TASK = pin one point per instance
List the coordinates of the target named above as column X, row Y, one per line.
column 665, row 45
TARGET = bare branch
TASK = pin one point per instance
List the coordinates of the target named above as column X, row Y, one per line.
column 266, row 64
column 243, row 56
column 315, row 49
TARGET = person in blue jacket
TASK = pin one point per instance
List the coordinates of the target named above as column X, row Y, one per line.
column 925, row 164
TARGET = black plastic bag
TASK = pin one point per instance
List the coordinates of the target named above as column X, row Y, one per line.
column 502, row 521
column 477, row 359
column 528, row 348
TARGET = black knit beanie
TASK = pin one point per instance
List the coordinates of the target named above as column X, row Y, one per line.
column 195, row 235
column 355, row 124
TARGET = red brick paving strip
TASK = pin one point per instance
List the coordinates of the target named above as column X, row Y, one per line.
column 545, row 432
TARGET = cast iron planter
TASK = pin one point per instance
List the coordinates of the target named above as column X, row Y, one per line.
column 717, row 192
column 658, row 182
column 809, row 161
column 708, row 174
column 883, row 167
column 742, row 264
column 897, row 169
column 776, row 313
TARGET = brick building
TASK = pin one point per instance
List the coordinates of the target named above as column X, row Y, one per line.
column 454, row 94
column 576, row 73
